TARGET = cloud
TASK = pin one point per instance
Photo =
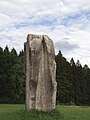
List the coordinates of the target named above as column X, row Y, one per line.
column 80, row 19
column 65, row 46
column 59, row 19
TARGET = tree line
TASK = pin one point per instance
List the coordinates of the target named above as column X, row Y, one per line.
column 12, row 78
column 73, row 80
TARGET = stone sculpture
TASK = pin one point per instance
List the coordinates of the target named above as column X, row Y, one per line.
column 40, row 70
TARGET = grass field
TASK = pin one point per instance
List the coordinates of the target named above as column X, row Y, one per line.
column 17, row 112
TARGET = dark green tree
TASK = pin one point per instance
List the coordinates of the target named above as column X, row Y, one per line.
column 78, row 83
column 12, row 80
column 86, row 85
column 63, row 79
column 72, row 81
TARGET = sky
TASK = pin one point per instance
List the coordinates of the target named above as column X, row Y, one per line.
column 66, row 22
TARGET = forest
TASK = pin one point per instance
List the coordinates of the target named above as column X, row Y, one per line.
column 73, row 79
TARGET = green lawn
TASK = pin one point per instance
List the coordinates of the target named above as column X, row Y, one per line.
column 17, row 112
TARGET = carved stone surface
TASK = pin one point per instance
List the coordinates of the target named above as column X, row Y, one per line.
column 40, row 68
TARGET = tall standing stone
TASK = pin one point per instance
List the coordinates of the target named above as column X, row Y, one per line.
column 40, row 68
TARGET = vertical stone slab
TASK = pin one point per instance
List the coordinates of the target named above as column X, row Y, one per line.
column 40, row 68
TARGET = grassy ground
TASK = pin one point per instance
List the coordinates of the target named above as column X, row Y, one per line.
column 17, row 112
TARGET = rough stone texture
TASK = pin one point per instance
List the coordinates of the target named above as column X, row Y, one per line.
column 40, row 68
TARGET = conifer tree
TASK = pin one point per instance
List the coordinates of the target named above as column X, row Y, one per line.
column 63, row 80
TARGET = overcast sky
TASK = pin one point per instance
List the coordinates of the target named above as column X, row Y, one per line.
column 66, row 22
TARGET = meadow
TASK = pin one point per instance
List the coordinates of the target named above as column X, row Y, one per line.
column 17, row 112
